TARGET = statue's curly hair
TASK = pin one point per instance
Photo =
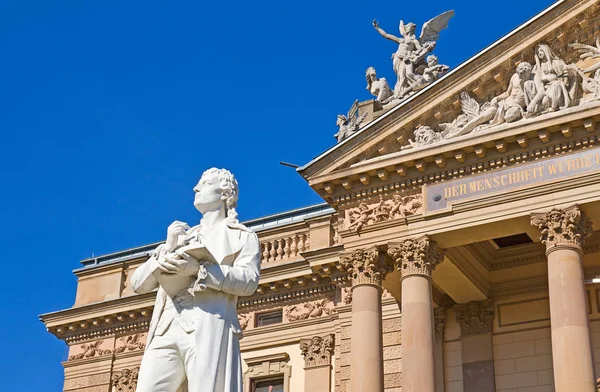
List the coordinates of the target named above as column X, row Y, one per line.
column 229, row 186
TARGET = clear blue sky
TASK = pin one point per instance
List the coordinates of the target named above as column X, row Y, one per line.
column 111, row 110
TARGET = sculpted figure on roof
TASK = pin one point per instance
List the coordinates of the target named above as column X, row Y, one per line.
column 349, row 124
column 411, row 65
column 379, row 87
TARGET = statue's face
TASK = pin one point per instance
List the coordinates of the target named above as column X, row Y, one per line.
column 541, row 54
column 208, row 193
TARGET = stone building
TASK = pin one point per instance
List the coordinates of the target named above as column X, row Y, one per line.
column 457, row 248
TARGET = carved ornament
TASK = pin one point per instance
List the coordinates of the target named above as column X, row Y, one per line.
column 91, row 350
column 125, row 380
column 475, row 317
column 367, row 266
column 317, row 351
column 418, row 256
column 306, row 310
column 244, row 319
column 439, row 317
column 131, row 343
column 559, row 228
column 396, row 207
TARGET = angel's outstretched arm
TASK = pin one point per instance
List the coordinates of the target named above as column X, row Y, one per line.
column 384, row 34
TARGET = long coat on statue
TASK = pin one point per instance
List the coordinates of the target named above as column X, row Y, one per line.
column 212, row 314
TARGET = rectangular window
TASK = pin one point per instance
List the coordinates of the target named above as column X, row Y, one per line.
column 274, row 385
column 269, row 318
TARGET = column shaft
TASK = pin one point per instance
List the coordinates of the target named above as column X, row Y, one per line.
column 418, row 370
column 563, row 232
column 366, row 359
column 571, row 346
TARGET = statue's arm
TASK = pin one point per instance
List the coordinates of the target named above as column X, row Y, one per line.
column 241, row 278
column 143, row 279
column 387, row 35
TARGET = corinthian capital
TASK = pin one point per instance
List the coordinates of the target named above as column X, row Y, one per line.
column 317, row 351
column 559, row 228
column 475, row 317
column 418, row 256
column 367, row 266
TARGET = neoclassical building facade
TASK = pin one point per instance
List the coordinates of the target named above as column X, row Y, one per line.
column 457, row 248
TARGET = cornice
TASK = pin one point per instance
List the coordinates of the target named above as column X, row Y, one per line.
column 99, row 309
column 285, row 296
column 507, row 146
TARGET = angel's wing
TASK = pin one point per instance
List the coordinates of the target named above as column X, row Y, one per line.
column 470, row 107
column 587, row 50
column 431, row 30
column 402, row 28
column 358, row 120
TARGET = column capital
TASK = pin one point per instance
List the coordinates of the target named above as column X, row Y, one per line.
column 317, row 351
column 475, row 317
column 367, row 266
column 562, row 228
column 416, row 256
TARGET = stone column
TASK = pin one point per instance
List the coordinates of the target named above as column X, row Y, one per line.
column 563, row 232
column 416, row 260
column 317, row 352
column 476, row 320
column 368, row 267
column 439, row 316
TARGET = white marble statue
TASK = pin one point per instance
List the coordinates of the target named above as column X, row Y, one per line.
column 511, row 104
column 349, row 124
column 378, row 87
column 410, row 65
column 193, row 341
column 554, row 85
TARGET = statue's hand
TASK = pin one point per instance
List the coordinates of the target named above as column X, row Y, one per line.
column 175, row 229
column 181, row 264
column 375, row 23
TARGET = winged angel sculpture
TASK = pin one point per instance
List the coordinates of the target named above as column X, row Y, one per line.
column 349, row 124
column 412, row 66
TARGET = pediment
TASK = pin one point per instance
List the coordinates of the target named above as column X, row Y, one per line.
column 445, row 113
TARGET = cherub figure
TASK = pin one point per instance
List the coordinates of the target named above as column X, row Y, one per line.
column 434, row 70
column 409, row 59
column 361, row 216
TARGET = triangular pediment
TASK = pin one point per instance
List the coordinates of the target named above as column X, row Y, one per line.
column 386, row 146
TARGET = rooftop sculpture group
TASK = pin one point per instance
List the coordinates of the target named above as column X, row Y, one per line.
column 550, row 85
column 413, row 63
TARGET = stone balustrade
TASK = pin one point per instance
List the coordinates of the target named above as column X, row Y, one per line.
column 283, row 248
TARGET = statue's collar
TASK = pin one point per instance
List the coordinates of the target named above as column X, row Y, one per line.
column 221, row 239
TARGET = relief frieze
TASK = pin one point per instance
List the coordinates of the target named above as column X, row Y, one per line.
column 396, row 207
column 545, row 85
column 91, row 350
column 312, row 309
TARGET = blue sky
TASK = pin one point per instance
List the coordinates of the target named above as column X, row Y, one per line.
column 111, row 110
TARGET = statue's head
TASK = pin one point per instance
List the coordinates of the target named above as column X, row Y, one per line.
column 524, row 69
column 543, row 52
column 217, row 189
column 432, row 60
column 341, row 120
column 371, row 73
column 409, row 28
column 425, row 135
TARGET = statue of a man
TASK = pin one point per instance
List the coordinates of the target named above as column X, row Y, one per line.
column 193, row 341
